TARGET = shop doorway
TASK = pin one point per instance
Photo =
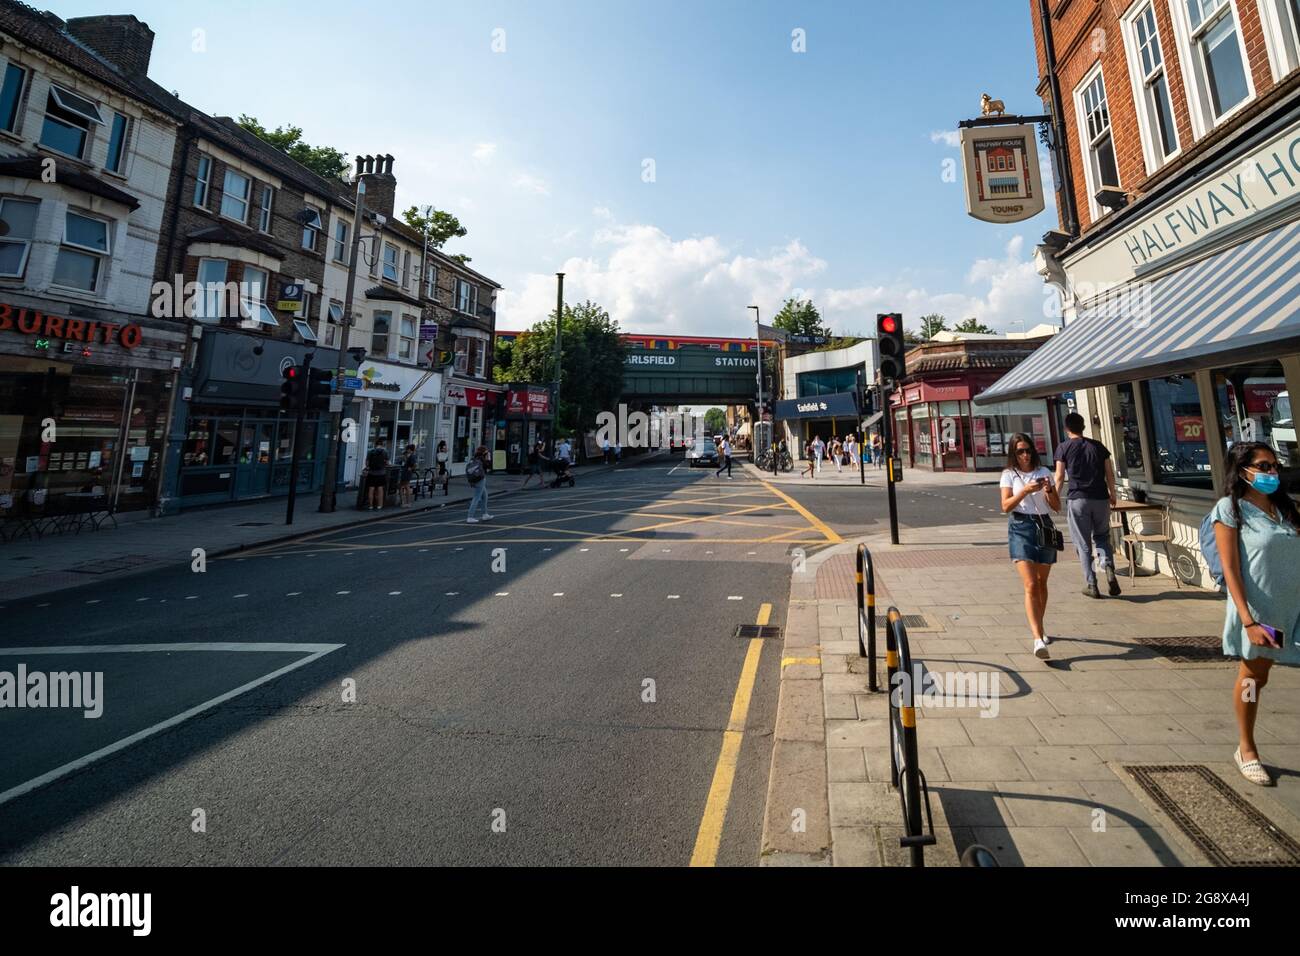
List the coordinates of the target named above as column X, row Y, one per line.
column 253, row 474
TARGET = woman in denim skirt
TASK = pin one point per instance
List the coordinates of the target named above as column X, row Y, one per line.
column 1029, row 496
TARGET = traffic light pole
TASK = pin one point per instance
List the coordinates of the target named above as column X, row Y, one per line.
column 887, row 420
column 300, row 412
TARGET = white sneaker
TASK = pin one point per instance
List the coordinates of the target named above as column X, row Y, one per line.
column 471, row 520
column 487, row 517
column 1047, row 640
column 1040, row 650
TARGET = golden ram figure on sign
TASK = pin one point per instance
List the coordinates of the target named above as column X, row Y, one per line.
column 989, row 106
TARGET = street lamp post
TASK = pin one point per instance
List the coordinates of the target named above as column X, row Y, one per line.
column 758, row 339
column 328, row 495
column 559, row 321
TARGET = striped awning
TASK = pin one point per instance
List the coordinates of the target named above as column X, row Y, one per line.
column 1239, row 304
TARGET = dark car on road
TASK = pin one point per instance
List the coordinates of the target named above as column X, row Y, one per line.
column 703, row 452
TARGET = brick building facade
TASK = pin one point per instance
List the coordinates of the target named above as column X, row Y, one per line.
column 1181, row 290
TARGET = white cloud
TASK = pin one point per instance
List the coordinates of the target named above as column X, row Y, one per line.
column 485, row 151
column 602, row 212
column 651, row 282
column 531, row 183
column 949, row 138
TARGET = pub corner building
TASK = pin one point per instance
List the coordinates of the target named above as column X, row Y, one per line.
column 1182, row 331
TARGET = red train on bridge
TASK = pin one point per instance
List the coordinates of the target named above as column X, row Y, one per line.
column 659, row 342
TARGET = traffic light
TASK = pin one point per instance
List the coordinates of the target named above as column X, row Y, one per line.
column 869, row 401
column 291, row 389
column 889, row 335
column 320, row 386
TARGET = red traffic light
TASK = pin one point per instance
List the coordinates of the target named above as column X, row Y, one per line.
column 889, row 324
column 291, row 371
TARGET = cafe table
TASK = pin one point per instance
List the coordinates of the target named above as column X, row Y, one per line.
column 1126, row 507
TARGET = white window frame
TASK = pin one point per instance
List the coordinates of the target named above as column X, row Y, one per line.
column 1281, row 35
column 103, row 255
column 460, row 354
column 92, row 117
column 266, row 205
column 1087, row 141
column 480, row 359
column 246, row 201
column 25, row 79
column 203, row 181
column 431, row 280
column 212, row 302
column 406, row 268
column 312, row 229
column 342, row 244
column 1143, row 95
column 6, row 239
column 470, row 300
column 406, row 343
column 1189, row 58
column 120, row 169
column 388, row 336
column 384, row 262
column 258, row 314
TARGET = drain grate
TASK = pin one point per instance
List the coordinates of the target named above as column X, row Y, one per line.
column 762, row 631
column 1215, row 817
column 917, row 622
column 109, row 565
column 1197, row 649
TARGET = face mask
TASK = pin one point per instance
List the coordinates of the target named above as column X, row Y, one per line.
column 1265, row 483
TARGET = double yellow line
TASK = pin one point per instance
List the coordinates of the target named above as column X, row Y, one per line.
column 709, row 836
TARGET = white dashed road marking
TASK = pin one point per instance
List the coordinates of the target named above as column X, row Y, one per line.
column 342, row 592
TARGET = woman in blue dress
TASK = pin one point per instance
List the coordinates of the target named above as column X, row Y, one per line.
column 1257, row 531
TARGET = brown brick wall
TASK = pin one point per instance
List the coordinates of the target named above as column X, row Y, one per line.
column 1088, row 31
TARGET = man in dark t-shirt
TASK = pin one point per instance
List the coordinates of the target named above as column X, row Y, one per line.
column 1091, row 492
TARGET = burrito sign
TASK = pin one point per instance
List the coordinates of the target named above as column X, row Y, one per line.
column 1003, row 180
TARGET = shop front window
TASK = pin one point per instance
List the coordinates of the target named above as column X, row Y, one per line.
column 921, row 435
column 1176, row 424
column 902, row 436
column 1254, row 404
column 1129, row 463
column 991, row 434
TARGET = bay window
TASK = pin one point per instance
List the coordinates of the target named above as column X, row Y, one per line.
column 406, row 342
column 211, row 305
column 17, row 227
column 379, row 335
column 82, row 253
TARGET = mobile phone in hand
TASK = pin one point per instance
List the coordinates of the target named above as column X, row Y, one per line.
column 1275, row 635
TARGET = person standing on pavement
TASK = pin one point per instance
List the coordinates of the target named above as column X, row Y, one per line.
column 376, row 477
column 1029, row 496
column 476, row 474
column 1257, row 532
column 724, row 452
column 441, row 457
column 819, row 452
column 851, row 450
column 878, row 450
column 405, row 497
column 1087, row 466
column 837, row 454
column 808, row 454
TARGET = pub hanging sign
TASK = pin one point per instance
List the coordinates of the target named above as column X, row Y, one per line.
column 1003, row 180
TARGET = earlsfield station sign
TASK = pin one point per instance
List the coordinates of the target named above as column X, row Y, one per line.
column 45, row 325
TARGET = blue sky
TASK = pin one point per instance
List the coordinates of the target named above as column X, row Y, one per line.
column 775, row 172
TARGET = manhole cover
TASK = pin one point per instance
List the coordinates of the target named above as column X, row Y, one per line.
column 1223, row 826
column 252, row 524
column 763, row 631
column 1197, row 649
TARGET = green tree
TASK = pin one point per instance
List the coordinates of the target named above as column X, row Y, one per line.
column 932, row 324
column 324, row 161
column 715, row 420
column 799, row 318
column 591, row 363
column 438, row 226
column 972, row 325
column 503, row 354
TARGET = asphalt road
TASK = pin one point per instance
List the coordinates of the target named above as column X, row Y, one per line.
column 550, row 687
